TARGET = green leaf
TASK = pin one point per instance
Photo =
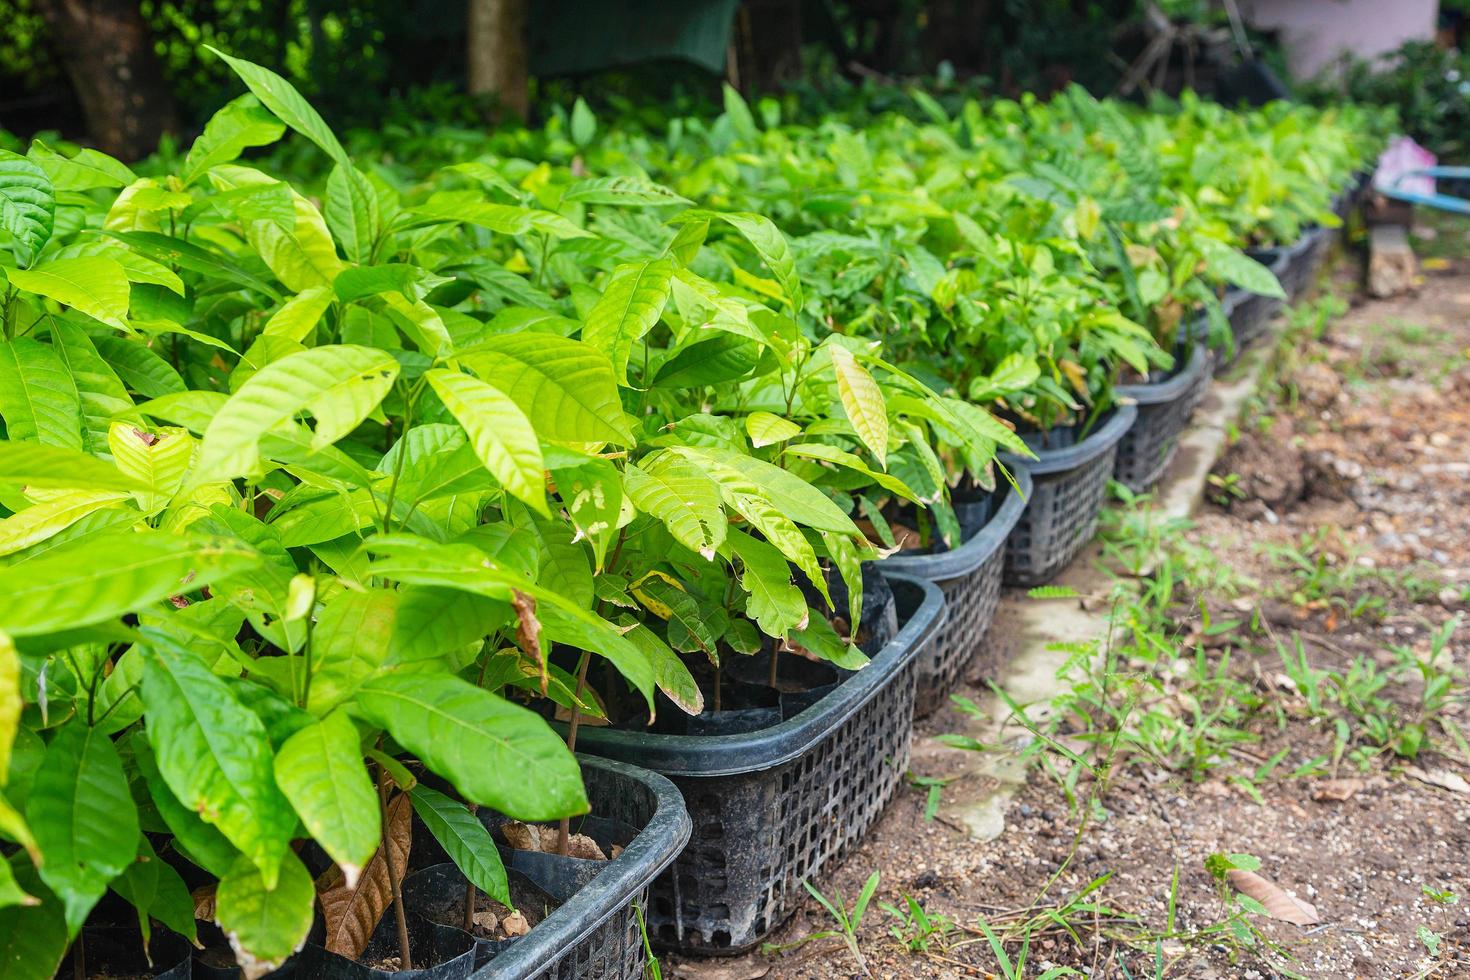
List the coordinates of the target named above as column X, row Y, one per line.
column 723, row 357
column 213, row 753
column 739, row 115
column 774, row 601
column 40, row 522
column 33, row 938
column 495, row 753
column 11, row 894
column 89, row 284
column 831, row 454
column 1052, row 592
column 766, row 429
column 583, row 124
column 38, row 466
column 351, row 641
column 682, row 496
column 1016, row 372
column 242, row 123
column 464, row 839
column 772, row 248
column 320, row 769
column 83, row 817
column 499, row 431
column 125, row 571
column 102, row 392
column 27, row 204
column 624, row 191
column 797, row 499
column 629, row 307
column 299, row 315
column 195, row 839
column 565, row 387
column 862, row 399
column 265, row 919
column 281, row 98
column 38, row 398
column 670, row 672
column 352, row 212
column 86, row 170
column 12, row 703
column 142, row 369
column 338, row 384
column 155, row 889
column 1239, row 269
column 360, row 282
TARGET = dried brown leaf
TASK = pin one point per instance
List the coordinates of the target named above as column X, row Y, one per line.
column 1442, row 778
column 1279, row 905
column 1337, row 790
column 353, row 913
column 522, row 836
column 528, row 631
column 515, row 924
column 204, row 902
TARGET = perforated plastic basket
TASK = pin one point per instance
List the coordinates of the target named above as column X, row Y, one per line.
column 1164, row 408
column 1068, row 482
column 970, row 577
column 594, row 933
column 773, row 807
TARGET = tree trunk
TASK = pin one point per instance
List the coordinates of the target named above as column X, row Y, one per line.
column 495, row 37
column 108, row 54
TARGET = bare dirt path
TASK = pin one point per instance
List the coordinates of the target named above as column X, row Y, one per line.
column 1306, row 713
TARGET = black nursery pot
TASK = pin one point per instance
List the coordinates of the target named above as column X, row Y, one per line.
column 1164, row 410
column 117, row 951
column 592, row 931
column 772, row 807
column 969, row 576
column 449, row 953
column 1069, row 479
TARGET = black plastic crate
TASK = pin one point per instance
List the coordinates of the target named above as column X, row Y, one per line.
column 773, row 807
column 1069, row 479
column 970, row 578
column 1164, row 409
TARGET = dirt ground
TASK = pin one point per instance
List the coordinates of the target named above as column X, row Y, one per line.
column 1354, row 464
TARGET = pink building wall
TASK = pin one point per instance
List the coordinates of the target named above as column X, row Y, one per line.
column 1316, row 32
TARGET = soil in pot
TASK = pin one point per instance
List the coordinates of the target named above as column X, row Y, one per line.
column 438, row 893
column 438, row 953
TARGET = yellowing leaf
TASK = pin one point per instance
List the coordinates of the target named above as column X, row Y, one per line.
column 862, row 399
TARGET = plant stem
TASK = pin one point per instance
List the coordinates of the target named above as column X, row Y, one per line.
column 395, row 876
column 563, row 830
column 775, row 651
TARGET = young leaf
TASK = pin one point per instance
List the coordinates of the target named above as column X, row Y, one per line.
column 214, row 754
column 862, row 399
column 38, row 466
column 241, row 124
column 338, row 384
column 12, row 703
column 83, row 817
column 27, row 204
column 583, row 124
column 630, row 305
column 682, row 496
column 352, row 212
column 125, row 571
column 772, row 248
column 773, row 601
column 499, row 431
column 350, row 643
column 566, row 388
column 320, row 770
column 465, row 840
column 494, row 752
column 766, row 429
column 281, row 98
column 89, row 284
column 38, row 398
column 266, row 920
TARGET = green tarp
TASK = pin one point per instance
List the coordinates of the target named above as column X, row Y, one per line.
column 572, row 37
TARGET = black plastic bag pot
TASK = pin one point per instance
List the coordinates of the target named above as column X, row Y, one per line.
column 969, row 576
column 1164, row 409
column 450, row 953
column 117, row 951
column 1069, row 479
column 774, row 807
column 594, row 933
